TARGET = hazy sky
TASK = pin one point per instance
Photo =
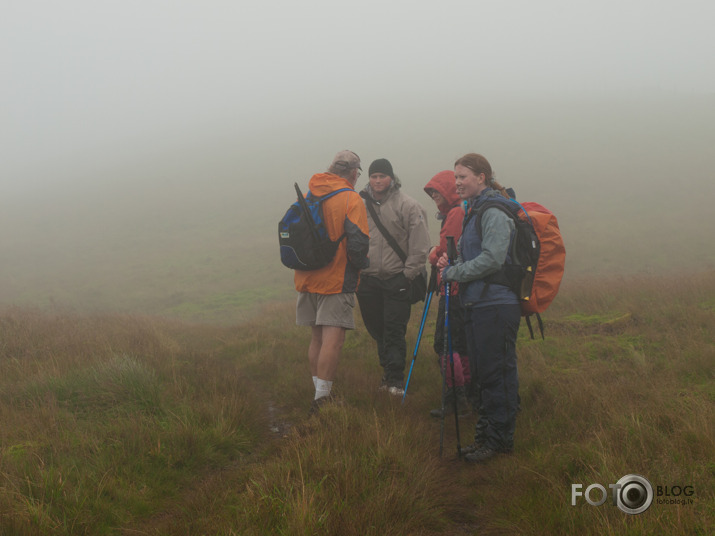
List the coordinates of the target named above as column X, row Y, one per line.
column 84, row 80
column 143, row 137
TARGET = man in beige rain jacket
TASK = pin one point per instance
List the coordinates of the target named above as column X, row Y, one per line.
column 387, row 287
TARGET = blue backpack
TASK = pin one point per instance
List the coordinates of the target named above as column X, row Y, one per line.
column 303, row 238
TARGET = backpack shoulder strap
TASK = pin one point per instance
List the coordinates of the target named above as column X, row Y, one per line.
column 493, row 204
column 322, row 198
column 497, row 277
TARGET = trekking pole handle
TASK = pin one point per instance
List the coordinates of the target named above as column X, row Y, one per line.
column 451, row 249
column 432, row 285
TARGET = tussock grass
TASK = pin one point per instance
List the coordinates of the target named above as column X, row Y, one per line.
column 349, row 472
column 123, row 424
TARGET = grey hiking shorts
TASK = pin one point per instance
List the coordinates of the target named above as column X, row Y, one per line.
column 325, row 310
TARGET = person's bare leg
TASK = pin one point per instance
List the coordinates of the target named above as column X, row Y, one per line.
column 316, row 342
column 323, row 354
column 332, row 342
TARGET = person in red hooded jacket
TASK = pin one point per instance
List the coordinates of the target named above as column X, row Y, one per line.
column 442, row 189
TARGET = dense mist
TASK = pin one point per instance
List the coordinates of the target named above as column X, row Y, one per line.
column 194, row 221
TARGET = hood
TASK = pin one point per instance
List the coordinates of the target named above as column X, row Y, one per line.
column 445, row 184
column 487, row 193
column 324, row 183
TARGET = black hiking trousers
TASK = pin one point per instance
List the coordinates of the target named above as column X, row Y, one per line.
column 491, row 338
column 385, row 308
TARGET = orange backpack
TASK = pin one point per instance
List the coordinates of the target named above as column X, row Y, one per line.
column 550, row 268
column 537, row 256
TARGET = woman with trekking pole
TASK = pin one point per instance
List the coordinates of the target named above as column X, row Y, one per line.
column 492, row 310
column 443, row 191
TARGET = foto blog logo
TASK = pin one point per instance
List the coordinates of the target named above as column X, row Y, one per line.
column 633, row 494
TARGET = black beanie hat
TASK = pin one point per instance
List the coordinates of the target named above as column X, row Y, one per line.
column 381, row 165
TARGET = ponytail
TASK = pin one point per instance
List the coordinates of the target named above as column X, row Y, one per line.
column 498, row 187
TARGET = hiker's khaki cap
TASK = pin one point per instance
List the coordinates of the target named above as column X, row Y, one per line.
column 345, row 160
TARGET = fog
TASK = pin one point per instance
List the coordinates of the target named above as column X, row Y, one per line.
column 149, row 148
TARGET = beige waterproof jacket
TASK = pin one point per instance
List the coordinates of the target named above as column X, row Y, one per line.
column 406, row 220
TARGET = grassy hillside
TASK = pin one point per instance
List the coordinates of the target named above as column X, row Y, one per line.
column 128, row 424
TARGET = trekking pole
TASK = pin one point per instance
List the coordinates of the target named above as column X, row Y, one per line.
column 451, row 254
column 304, row 206
column 306, row 210
column 447, row 349
column 431, row 286
column 442, row 367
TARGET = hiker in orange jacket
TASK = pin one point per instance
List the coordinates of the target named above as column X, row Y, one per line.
column 327, row 295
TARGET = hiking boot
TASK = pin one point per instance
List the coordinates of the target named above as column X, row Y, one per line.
column 480, row 455
column 396, row 390
column 391, row 387
column 469, row 449
column 316, row 404
column 483, row 454
column 437, row 413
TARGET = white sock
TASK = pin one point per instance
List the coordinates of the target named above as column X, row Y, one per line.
column 322, row 388
column 315, row 382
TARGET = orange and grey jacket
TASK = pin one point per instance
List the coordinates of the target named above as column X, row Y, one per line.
column 344, row 213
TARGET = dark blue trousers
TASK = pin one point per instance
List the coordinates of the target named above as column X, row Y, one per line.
column 491, row 339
